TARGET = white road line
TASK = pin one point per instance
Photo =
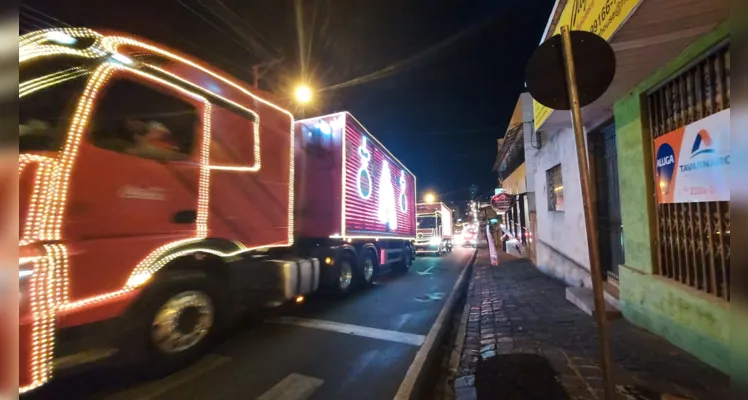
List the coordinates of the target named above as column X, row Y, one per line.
column 356, row 330
column 427, row 271
column 293, row 387
column 152, row 390
column 405, row 390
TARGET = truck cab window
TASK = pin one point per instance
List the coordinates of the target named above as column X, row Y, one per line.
column 45, row 105
column 137, row 119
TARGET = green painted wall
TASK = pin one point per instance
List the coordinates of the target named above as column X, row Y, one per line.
column 693, row 321
column 689, row 319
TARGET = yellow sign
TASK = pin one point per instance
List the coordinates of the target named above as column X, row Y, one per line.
column 601, row 17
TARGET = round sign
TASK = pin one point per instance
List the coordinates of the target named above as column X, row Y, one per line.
column 594, row 61
column 502, row 202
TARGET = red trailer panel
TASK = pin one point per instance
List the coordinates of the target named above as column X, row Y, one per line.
column 378, row 198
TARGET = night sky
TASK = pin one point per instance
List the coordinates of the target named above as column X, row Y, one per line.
column 435, row 81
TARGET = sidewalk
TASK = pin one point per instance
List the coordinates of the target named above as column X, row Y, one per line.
column 523, row 340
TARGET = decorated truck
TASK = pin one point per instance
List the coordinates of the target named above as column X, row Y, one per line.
column 160, row 198
column 435, row 231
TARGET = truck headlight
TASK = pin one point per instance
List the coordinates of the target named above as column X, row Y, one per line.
column 435, row 241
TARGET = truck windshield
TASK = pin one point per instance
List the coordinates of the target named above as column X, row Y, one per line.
column 427, row 222
column 48, row 90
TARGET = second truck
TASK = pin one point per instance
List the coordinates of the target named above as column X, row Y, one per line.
column 435, row 231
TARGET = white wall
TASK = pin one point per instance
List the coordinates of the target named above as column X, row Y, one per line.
column 530, row 151
column 561, row 238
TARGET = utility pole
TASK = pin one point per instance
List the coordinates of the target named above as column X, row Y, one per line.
column 590, row 218
column 256, row 76
column 256, row 72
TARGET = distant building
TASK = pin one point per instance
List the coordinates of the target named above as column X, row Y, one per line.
column 516, row 177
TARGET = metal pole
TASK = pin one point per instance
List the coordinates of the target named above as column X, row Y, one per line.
column 589, row 214
column 256, row 76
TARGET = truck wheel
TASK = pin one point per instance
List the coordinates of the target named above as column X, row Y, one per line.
column 368, row 268
column 177, row 322
column 404, row 264
column 346, row 274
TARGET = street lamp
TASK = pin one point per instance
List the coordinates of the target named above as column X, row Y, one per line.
column 303, row 94
column 429, row 198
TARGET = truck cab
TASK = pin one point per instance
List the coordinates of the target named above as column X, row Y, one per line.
column 435, row 232
column 151, row 187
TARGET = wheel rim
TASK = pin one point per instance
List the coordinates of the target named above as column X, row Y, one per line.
column 182, row 322
column 368, row 269
column 346, row 275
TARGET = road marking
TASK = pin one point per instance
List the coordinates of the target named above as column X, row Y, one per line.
column 430, row 297
column 152, row 390
column 413, row 375
column 293, row 387
column 356, row 330
column 427, row 271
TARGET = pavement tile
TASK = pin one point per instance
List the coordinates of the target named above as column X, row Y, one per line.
column 514, row 308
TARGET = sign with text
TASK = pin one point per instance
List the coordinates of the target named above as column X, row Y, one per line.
column 692, row 163
column 601, row 17
column 502, row 202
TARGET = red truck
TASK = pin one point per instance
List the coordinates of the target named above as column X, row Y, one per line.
column 435, row 231
column 160, row 198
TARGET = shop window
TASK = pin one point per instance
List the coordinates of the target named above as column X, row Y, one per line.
column 555, row 187
column 693, row 238
column 137, row 119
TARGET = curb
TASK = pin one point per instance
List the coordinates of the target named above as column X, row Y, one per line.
column 464, row 389
column 413, row 380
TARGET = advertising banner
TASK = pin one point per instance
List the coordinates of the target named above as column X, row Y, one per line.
column 601, row 17
column 692, row 164
column 379, row 190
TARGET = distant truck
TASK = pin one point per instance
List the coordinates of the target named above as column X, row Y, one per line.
column 435, row 231
column 160, row 197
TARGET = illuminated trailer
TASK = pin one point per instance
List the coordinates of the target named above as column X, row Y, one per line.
column 348, row 185
column 160, row 197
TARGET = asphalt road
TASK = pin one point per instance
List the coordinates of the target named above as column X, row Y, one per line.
column 356, row 348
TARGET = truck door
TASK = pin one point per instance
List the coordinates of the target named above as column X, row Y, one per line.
column 134, row 185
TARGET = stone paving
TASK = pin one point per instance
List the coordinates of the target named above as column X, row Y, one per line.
column 524, row 340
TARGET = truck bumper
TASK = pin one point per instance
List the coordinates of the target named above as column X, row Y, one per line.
column 81, row 338
column 427, row 248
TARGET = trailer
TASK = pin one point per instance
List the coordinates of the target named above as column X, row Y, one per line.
column 434, row 234
column 160, row 198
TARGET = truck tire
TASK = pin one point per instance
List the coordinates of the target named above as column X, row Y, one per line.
column 368, row 265
column 347, row 272
column 403, row 265
column 177, row 321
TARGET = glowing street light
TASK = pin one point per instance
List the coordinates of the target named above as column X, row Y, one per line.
column 429, row 198
column 303, row 94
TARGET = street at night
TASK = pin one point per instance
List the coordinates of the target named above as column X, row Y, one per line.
column 368, row 199
column 355, row 348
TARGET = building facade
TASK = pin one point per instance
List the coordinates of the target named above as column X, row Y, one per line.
column 512, row 170
column 665, row 254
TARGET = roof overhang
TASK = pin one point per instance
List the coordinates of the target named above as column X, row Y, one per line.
column 655, row 33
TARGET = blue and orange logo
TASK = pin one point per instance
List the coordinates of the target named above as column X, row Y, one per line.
column 665, row 167
column 702, row 144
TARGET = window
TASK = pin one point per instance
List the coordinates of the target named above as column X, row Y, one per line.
column 48, row 92
column 138, row 119
column 555, row 187
column 233, row 137
column 427, row 221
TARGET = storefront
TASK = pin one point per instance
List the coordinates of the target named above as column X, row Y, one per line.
column 674, row 154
